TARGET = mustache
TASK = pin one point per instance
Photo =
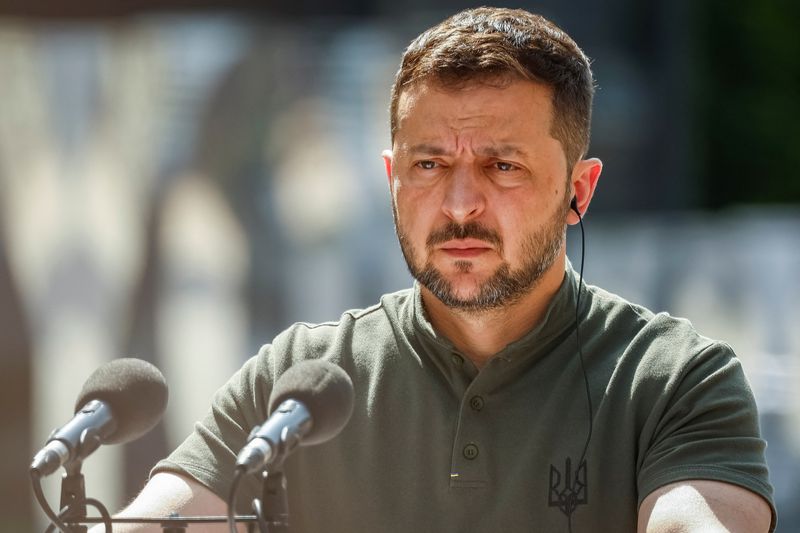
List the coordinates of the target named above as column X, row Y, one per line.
column 470, row 230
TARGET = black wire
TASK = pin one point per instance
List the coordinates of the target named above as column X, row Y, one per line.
column 263, row 527
column 573, row 505
column 580, row 348
column 237, row 478
column 36, row 480
column 51, row 527
column 104, row 514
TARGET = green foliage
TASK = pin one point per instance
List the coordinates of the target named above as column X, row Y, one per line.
column 747, row 97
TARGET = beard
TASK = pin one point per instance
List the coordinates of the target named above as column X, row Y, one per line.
column 540, row 248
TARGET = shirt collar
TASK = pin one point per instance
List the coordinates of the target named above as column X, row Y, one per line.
column 558, row 318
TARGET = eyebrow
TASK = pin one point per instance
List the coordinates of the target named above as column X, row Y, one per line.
column 427, row 149
column 501, row 150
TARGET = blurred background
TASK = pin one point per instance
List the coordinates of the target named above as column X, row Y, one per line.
column 180, row 182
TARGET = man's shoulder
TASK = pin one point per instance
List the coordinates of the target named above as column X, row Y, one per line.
column 608, row 303
column 637, row 325
column 387, row 308
column 354, row 326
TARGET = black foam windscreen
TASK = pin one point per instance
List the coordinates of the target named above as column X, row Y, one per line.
column 326, row 391
column 136, row 392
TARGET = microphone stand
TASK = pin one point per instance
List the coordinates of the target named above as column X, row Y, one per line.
column 174, row 523
column 270, row 517
column 273, row 509
column 73, row 496
column 73, row 503
column 73, row 506
column 271, row 512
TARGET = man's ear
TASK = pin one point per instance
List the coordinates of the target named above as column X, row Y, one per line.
column 584, row 179
column 387, row 162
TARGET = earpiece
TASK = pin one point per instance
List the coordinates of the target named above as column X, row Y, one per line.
column 574, row 205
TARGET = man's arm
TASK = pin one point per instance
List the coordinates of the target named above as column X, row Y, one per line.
column 703, row 506
column 168, row 493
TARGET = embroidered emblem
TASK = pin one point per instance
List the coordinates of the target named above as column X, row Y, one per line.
column 568, row 491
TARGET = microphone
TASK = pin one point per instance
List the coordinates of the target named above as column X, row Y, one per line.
column 121, row 401
column 310, row 404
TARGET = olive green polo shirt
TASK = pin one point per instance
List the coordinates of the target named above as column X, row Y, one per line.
column 436, row 445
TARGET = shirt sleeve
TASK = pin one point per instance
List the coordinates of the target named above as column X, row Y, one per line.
column 209, row 453
column 706, row 427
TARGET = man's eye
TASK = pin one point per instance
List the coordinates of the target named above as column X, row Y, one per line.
column 505, row 167
column 427, row 164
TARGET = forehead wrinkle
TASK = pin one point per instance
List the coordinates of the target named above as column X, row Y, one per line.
column 466, row 118
column 497, row 151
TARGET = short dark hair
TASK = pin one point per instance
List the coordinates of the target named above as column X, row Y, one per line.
column 486, row 44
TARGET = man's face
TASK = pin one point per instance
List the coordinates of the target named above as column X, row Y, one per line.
column 480, row 191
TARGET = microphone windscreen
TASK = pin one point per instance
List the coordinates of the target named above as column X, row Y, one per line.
column 326, row 391
column 136, row 392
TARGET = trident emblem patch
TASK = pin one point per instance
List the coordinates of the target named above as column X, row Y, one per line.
column 567, row 491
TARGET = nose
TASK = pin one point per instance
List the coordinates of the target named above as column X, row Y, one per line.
column 463, row 198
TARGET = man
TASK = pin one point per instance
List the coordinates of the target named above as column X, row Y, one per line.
column 500, row 393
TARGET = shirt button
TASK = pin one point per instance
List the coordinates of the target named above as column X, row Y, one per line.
column 470, row 451
column 457, row 360
column 476, row 402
